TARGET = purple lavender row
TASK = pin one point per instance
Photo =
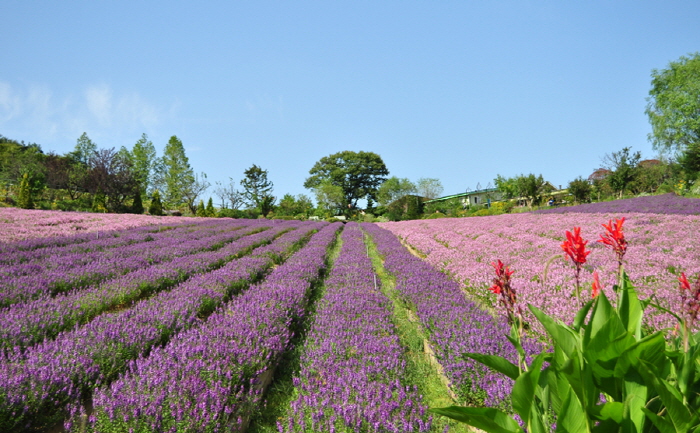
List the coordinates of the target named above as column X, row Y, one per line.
column 209, row 378
column 25, row 324
column 81, row 270
column 37, row 385
column 455, row 325
column 352, row 364
column 67, row 258
column 14, row 256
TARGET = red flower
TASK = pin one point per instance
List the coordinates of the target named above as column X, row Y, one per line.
column 507, row 296
column 615, row 238
column 595, row 290
column 685, row 285
column 575, row 247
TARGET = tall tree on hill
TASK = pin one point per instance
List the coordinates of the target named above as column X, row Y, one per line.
column 673, row 105
column 429, row 188
column 144, row 158
column 257, row 189
column 393, row 189
column 174, row 174
column 357, row 174
column 623, row 166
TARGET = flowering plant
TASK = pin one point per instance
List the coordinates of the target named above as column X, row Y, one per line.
column 604, row 372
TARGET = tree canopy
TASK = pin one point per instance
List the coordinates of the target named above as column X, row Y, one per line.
column 674, row 104
column 357, row 174
column 257, row 189
column 393, row 189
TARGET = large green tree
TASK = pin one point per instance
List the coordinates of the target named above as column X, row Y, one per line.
column 623, row 165
column 393, row 189
column 144, row 159
column 357, row 174
column 174, row 175
column 674, row 105
column 84, row 149
column 257, row 189
column 428, row 187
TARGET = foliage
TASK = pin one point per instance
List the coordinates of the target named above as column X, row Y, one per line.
column 194, row 189
column 210, row 211
column 144, row 160
column 156, row 207
column 137, row 205
column 689, row 161
column 229, row 195
column 200, row 211
column 294, row 206
column 429, row 188
column 529, row 187
column 257, row 189
column 623, row 165
column 357, row 174
column 110, row 175
column 25, row 193
column 581, row 189
column 174, row 174
column 330, row 199
column 84, row 149
column 673, row 105
column 408, row 207
column 393, row 189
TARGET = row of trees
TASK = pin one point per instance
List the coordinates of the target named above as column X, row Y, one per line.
column 101, row 179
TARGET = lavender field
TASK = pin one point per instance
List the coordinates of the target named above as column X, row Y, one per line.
column 192, row 325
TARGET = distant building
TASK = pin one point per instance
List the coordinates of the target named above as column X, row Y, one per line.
column 475, row 197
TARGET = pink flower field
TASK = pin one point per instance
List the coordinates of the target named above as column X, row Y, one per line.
column 21, row 224
column 660, row 247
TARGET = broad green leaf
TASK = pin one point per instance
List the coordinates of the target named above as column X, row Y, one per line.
column 660, row 423
column 671, row 398
column 564, row 337
column 602, row 310
column 635, row 399
column 612, row 410
column 485, row 418
column 651, row 349
column 629, row 308
column 497, row 363
column 581, row 315
column 572, row 417
column 524, row 389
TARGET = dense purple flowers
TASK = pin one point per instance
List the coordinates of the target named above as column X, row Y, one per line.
column 208, row 378
column 352, row 366
column 455, row 324
column 48, row 375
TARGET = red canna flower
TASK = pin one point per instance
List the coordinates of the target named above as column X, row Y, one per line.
column 575, row 247
column 690, row 298
column 508, row 298
column 685, row 285
column 615, row 238
column 595, row 290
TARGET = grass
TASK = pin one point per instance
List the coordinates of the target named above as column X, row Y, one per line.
column 419, row 370
column 281, row 392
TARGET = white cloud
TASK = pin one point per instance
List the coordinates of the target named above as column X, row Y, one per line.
column 35, row 113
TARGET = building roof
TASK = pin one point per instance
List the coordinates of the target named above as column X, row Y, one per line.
column 463, row 194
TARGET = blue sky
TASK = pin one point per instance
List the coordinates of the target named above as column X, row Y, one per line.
column 455, row 90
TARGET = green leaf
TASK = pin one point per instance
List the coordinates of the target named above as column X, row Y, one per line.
column 485, row 418
column 524, row 389
column 629, row 308
column 650, row 349
column 671, row 398
column 581, row 315
column 572, row 418
column 635, row 399
column 612, row 410
column 564, row 337
column 497, row 363
column 660, row 423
